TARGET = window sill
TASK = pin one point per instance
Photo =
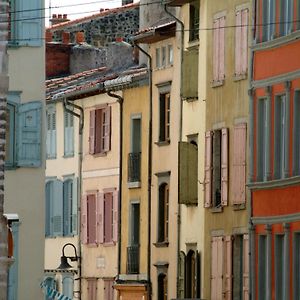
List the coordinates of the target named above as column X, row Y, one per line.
column 237, row 207
column 68, row 155
column 217, row 209
column 50, row 157
column 166, row 66
column 217, row 83
column 161, row 244
column 13, row 45
column 239, row 77
column 101, row 154
column 134, row 185
column 194, row 44
column 108, row 244
column 10, row 167
column 163, row 143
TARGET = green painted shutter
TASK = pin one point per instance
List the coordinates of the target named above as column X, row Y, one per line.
column 29, row 134
column 190, row 75
column 29, row 18
column 74, row 206
column 57, row 199
column 188, row 173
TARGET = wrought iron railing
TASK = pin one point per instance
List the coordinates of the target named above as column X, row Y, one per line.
column 134, row 167
column 133, row 259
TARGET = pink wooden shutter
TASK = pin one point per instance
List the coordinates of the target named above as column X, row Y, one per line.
column 91, row 218
column 214, row 265
column 222, row 48
column 92, row 289
column 108, row 217
column 224, row 170
column 84, row 219
column 92, row 132
column 115, row 215
column 238, row 33
column 228, row 268
column 244, row 42
column 208, row 169
column 246, row 267
column 99, row 218
column 239, row 164
column 216, row 50
column 217, row 268
column 106, row 128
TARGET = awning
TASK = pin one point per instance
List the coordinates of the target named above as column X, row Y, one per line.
column 52, row 293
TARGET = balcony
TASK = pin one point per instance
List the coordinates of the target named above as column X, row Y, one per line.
column 133, row 259
column 134, row 167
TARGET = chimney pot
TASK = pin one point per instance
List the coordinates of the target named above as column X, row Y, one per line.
column 66, row 37
column 59, row 16
column 119, row 39
column 79, row 37
column 65, row 16
column 54, row 16
column 101, row 9
column 48, row 36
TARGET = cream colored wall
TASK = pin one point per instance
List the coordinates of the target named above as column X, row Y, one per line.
column 100, row 172
column 24, row 187
column 136, row 101
column 226, row 105
column 165, row 158
column 192, row 217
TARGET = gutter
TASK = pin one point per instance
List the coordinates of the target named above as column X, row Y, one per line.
column 180, row 138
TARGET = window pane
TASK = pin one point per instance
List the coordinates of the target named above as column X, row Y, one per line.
column 157, row 57
column 170, row 54
column 163, row 56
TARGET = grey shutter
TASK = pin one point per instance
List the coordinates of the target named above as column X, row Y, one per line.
column 67, row 202
column 74, row 206
column 188, row 173
column 29, row 134
column 57, row 199
column 48, row 213
column 181, row 283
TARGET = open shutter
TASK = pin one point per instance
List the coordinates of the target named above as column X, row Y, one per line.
column 92, row 132
column 238, row 39
column 74, row 206
column 181, row 288
column 67, row 200
column 57, row 219
column 228, row 268
column 100, row 218
column 239, row 164
column 208, row 169
column 219, row 271
column 29, row 25
column 197, row 275
column 106, row 128
column 115, row 215
column 222, row 48
column 84, row 220
column 244, row 40
column 29, row 134
column 48, row 207
column 69, row 134
column 214, row 265
column 246, row 267
column 224, row 167
column 216, row 50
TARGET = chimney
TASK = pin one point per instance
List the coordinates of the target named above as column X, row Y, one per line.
column 66, row 37
column 125, row 2
column 57, row 19
column 102, row 10
column 48, row 36
column 79, row 37
column 119, row 39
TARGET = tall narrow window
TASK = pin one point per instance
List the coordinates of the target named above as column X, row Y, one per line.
column 69, row 134
column 216, row 184
column 91, row 219
column 51, row 132
column 286, row 16
column 162, row 287
column 279, row 142
column 170, row 55
column 164, row 117
column 279, row 259
column 49, row 208
column 262, row 267
column 268, row 20
column 296, row 134
column 237, row 267
column 157, row 58
column 219, row 49
column 163, row 213
column 194, row 20
column 296, row 265
column 163, row 56
column 68, row 203
column 190, row 274
column 108, row 217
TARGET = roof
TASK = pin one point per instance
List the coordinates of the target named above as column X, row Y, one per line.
column 95, row 16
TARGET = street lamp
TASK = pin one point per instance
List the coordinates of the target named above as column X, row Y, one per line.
column 64, row 259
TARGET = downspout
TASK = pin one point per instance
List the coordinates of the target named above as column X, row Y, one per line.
column 120, row 100
column 80, row 116
column 149, row 170
column 180, row 137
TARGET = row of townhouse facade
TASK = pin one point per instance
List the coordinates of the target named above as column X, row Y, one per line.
column 179, row 180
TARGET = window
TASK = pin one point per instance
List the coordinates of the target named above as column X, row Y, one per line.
column 67, row 285
column 51, row 131
column 216, row 168
column 268, row 19
column 163, row 213
column 286, row 16
column 100, row 130
column 10, row 145
column 108, row 289
column 279, row 268
column 296, row 134
column 69, row 207
column 164, row 56
column 170, row 55
column 296, row 265
column 157, row 58
column 194, row 20
column 241, row 41
column 162, row 287
column 280, row 146
column 92, row 289
column 108, row 217
column 262, row 267
column 69, row 134
column 219, row 49
column 164, row 117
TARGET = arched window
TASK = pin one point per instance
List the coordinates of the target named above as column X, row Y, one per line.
column 163, row 213
column 190, row 274
column 162, row 287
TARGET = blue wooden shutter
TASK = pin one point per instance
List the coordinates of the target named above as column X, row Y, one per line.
column 29, row 26
column 74, row 206
column 48, row 209
column 67, row 209
column 29, row 135
column 51, row 132
column 69, row 134
column 57, row 219
column 68, row 284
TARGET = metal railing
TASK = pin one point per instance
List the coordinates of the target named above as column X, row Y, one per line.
column 133, row 259
column 134, row 167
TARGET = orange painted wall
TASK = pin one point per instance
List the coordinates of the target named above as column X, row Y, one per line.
column 277, row 61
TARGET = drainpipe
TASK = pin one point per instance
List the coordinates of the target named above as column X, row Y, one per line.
column 120, row 100
column 80, row 116
column 180, row 135
column 149, row 169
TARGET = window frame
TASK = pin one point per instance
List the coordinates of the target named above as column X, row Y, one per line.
column 262, row 266
column 163, row 213
column 51, row 140
column 268, row 31
column 68, row 202
column 194, row 21
column 164, row 116
column 162, row 286
column 68, row 130
column 279, row 265
column 296, row 133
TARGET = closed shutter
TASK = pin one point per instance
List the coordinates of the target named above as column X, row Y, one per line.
column 108, row 289
column 29, row 25
column 197, row 275
column 57, row 219
column 29, row 134
column 239, row 164
column 115, row 215
column 92, row 289
column 208, row 169
column 217, row 269
column 244, row 42
column 48, row 206
column 51, row 132
column 92, row 218
column 100, row 218
column 108, row 217
column 246, row 267
column 68, row 286
column 238, row 40
column 84, row 234
column 92, row 132
column 74, row 206
column 181, row 288
column 67, row 202
column 228, row 268
column 106, row 129
column 222, row 48
column 224, row 167
column 216, row 50
column 69, row 134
